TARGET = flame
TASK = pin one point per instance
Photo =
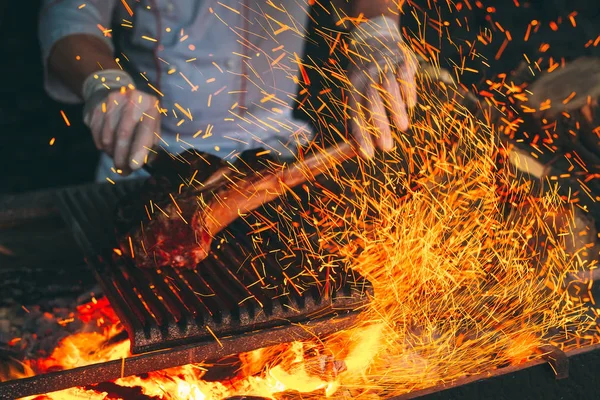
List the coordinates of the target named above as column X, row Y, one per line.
column 291, row 373
column 83, row 349
column 303, row 367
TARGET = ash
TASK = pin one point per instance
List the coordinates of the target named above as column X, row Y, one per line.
column 33, row 331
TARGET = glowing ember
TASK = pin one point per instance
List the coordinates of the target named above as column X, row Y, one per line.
column 301, row 367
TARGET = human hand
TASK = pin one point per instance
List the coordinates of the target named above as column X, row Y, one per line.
column 125, row 122
column 382, row 82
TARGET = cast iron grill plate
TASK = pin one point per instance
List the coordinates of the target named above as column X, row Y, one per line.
column 235, row 290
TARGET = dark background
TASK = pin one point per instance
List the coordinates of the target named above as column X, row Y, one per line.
column 29, row 119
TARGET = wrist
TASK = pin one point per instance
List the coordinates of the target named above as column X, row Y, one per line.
column 381, row 26
column 107, row 80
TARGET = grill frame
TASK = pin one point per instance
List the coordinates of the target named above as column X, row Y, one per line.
column 199, row 352
column 203, row 306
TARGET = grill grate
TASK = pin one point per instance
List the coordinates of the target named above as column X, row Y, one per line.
column 233, row 291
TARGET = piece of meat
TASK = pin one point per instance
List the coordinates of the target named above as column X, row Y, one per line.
column 191, row 197
column 154, row 225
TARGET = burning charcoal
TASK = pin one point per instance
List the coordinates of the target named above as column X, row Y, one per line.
column 31, row 318
column 47, row 344
column 5, row 335
column 7, row 351
column 118, row 338
column 75, row 325
column 60, row 313
column 226, row 368
column 96, row 291
column 115, row 391
column 11, row 363
column 59, row 303
column 46, row 325
column 245, row 398
column 326, row 367
column 11, row 368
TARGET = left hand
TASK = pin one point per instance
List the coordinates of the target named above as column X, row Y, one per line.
column 382, row 79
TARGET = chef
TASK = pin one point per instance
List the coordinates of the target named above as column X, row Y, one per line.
column 220, row 76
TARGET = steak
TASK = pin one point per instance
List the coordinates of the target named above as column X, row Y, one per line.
column 192, row 196
column 169, row 221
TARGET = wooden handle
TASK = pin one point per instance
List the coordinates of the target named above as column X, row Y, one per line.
column 315, row 164
column 254, row 194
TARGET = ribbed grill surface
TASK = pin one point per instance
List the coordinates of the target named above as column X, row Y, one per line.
column 236, row 289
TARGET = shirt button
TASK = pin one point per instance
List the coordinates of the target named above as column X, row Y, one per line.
column 230, row 63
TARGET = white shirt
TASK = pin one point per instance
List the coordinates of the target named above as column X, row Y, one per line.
column 230, row 65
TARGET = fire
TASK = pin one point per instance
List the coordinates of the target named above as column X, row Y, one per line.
column 84, row 349
column 294, row 367
column 470, row 266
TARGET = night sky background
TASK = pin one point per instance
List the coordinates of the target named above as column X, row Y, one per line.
column 29, row 119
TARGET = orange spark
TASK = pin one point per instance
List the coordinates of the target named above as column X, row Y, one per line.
column 129, row 10
column 65, row 118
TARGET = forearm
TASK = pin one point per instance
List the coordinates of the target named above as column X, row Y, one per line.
column 350, row 10
column 75, row 57
column 380, row 75
column 375, row 8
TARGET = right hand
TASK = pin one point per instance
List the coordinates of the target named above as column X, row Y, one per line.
column 125, row 124
column 382, row 84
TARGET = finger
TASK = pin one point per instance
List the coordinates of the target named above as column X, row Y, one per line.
column 156, row 139
column 394, row 99
column 130, row 118
column 144, row 138
column 360, row 134
column 359, row 123
column 111, row 117
column 380, row 121
column 95, row 122
column 406, row 79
